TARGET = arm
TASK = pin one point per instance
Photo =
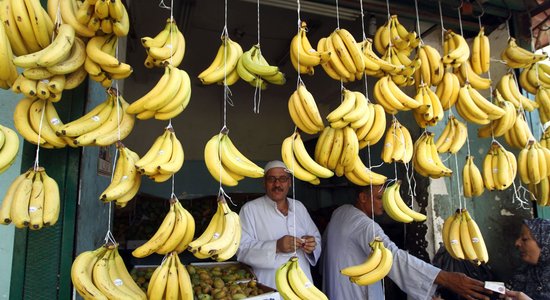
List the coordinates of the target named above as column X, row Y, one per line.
column 463, row 285
column 311, row 240
column 514, row 295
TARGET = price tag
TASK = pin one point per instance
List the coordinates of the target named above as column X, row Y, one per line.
column 495, row 286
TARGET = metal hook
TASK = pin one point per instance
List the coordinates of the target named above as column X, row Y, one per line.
column 482, row 10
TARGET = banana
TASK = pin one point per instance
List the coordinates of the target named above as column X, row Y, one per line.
column 368, row 265
column 460, row 51
column 426, row 159
column 124, row 177
column 52, row 201
column 305, row 55
column 12, row 32
column 210, row 232
column 418, row 217
column 390, row 205
column 300, row 283
column 81, row 273
column 517, row 57
column 102, row 279
column 177, row 157
column 22, row 122
column 231, row 224
column 379, row 272
column 8, row 71
column 289, row 158
column 90, row 121
column 282, row 282
column 158, row 90
column 254, row 66
column 453, row 237
column 160, row 237
column 5, row 209
column 236, row 162
column 472, row 179
column 41, row 125
column 346, row 106
column 95, row 51
column 307, row 161
column 299, row 115
column 466, row 240
column 310, row 106
column 466, row 74
column 225, row 61
column 448, row 89
column 214, row 164
column 477, row 239
column 24, row 24
column 19, row 211
column 9, row 148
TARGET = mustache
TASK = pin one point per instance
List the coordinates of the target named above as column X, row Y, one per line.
column 277, row 189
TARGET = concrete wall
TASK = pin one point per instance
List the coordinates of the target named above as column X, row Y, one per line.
column 8, row 100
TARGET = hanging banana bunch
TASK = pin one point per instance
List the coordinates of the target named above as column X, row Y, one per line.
column 475, row 108
column 32, row 200
column 293, row 283
column 225, row 63
column 170, row 280
column 395, row 206
column 430, row 111
column 8, row 70
column 472, row 180
column 126, row 180
column 455, row 49
column 426, row 160
column 302, row 54
column 431, row 69
column 480, row 56
column 304, row 112
column 9, row 147
column 253, row 68
column 503, row 124
column 166, row 48
column 398, row 145
column 101, row 61
column 93, row 17
column 221, row 238
column 373, row 130
column 391, row 97
column 517, row 57
column 520, row 134
column 499, row 168
column 462, row 238
column 453, row 136
column 377, row 265
column 509, row 89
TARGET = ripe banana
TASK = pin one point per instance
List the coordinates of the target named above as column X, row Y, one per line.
column 398, row 145
column 236, row 162
column 304, row 56
column 517, row 57
column 396, row 208
column 472, row 179
column 253, row 62
column 381, row 270
column 224, row 63
column 9, row 147
column 294, row 284
column 426, row 160
column 500, row 167
column 164, row 158
column 453, row 137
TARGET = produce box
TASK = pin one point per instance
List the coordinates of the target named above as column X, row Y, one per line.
column 227, row 280
column 142, row 274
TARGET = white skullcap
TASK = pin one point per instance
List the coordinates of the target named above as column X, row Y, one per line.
column 275, row 164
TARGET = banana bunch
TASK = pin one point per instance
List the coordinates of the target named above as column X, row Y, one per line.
column 126, row 180
column 509, row 89
column 430, row 110
column 372, row 131
column 499, row 168
column 352, row 111
column 520, row 134
column 391, row 97
column 302, row 54
column 300, row 163
column 253, row 68
column 406, row 77
column 362, row 175
column 542, row 97
column 102, row 274
column 304, row 112
column 94, row 17
column 174, row 233
column 396, row 208
column 453, row 136
column 462, row 238
column 28, row 26
column 345, row 56
column 540, row 192
column 426, row 160
column 221, row 238
column 455, row 49
column 475, row 108
column 545, row 138
column 533, row 77
column 101, row 60
column 533, row 163
column 431, row 69
column 385, row 66
column 167, row 99
column 164, row 158
column 226, row 163
column 226, row 68
column 447, row 90
column 165, row 48
column 394, row 33
column 480, row 56
column 31, row 117
column 374, row 268
column 337, row 149
column 55, row 52
column 466, row 73
column 32, row 200
column 472, row 181
column 502, row 125
column 8, row 71
column 170, row 280
column 293, row 283
column 398, row 145
column 517, row 57
column 102, row 126
column 9, row 147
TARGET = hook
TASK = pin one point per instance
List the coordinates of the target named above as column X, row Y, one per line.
column 482, row 9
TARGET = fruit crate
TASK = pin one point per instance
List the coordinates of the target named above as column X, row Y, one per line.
column 227, row 280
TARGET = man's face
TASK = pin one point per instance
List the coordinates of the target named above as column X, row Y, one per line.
column 375, row 206
column 277, row 183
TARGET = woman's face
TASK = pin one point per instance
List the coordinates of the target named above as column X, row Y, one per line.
column 529, row 250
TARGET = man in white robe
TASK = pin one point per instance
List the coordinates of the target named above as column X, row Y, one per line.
column 275, row 228
column 346, row 243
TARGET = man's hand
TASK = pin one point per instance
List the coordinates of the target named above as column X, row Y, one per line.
column 309, row 244
column 288, row 244
column 463, row 285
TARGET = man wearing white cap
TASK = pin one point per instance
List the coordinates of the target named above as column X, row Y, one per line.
column 275, row 228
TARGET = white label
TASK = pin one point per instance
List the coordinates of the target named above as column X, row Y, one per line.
column 475, row 240
column 495, row 170
column 118, row 282
column 124, row 178
column 388, row 145
column 454, row 242
column 161, row 152
column 95, row 118
column 308, row 284
column 495, row 286
column 216, row 235
column 55, row 121
column 32, row 209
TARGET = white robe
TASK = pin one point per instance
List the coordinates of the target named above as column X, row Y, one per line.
column 262, row 225
column 346, row 243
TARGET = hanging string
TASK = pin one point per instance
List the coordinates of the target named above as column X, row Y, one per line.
column 441, row 19
column 371, row 192
column 418, row 23
column 298, row 77
column 337, row 15
column 293, row 163
column 258, row 85
column 364, row 39
column 37, row 155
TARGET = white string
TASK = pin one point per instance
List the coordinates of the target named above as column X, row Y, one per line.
column 418, row 22
column 258, row 87
column 441, row 19
column 298, row 78
column 293, row 193
column 337, row 15
column 37, row 155
column 371, row 193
